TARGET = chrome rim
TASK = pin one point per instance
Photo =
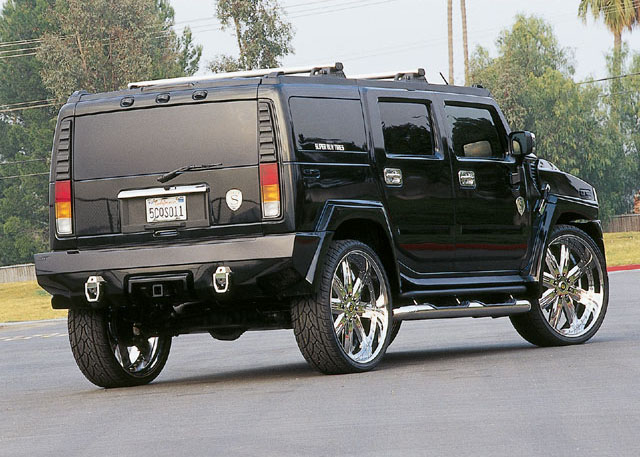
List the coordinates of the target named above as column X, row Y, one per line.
column 573, row 286
column 360, row 306
column 138, row 356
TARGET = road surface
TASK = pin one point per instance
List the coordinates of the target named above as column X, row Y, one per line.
column 465, row 387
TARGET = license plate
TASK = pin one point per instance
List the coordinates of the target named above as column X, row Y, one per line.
column 166, row 209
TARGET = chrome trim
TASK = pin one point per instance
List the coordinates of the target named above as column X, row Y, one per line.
column 466, row 309
column 163, row 191
column 467, row 179
column 393, row 176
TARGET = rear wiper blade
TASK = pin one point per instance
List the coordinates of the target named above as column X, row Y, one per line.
column 178, row 171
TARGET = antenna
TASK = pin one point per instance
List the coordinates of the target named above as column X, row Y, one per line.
column 444, row 79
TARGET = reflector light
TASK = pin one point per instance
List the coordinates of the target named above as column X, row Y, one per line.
column 270, row 190
column 64, row 219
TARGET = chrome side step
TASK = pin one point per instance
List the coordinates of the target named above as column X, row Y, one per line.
column 464, row 309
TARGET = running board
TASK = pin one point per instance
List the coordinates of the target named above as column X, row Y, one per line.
column 465, row 309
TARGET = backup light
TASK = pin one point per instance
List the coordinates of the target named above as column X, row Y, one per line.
column 64, row 224
column 270, row 189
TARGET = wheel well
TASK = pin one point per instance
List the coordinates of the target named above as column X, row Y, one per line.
column 373, row 235
column 590, row 227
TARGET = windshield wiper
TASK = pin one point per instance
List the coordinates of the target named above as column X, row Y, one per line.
column 178, row 171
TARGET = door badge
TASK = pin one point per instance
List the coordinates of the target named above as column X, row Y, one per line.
column 234, row 199
column 521, row 205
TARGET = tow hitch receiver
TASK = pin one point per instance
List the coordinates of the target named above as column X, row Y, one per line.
column 93, row 288
column 221, row 279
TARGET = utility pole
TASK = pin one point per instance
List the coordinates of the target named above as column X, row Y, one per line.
column 450, row 31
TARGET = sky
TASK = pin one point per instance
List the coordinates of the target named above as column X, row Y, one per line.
column 371, row 36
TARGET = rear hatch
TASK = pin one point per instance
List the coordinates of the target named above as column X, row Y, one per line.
column 118, row 155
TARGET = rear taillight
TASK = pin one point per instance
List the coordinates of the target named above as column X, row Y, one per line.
column 270, row 190
column 64, row 225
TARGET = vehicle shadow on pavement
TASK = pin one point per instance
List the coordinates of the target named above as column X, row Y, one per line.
column 261, row 374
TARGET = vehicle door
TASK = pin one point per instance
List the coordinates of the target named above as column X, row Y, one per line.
column 415, row 175
column 492, row 219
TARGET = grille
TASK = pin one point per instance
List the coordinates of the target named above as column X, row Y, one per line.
column 266, row 131
column 63, row 152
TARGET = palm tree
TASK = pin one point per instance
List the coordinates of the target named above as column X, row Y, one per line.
column 618, row 15
column 450, row 30
column 465, row 43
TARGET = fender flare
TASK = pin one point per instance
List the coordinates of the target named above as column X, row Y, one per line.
column 337, row 212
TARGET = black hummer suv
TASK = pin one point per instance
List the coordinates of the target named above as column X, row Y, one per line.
column 335, row 206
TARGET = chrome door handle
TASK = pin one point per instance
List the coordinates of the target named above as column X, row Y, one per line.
column 467, row 179
column 393, row 176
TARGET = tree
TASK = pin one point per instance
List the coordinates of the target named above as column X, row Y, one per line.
column 101, row 45
column 450, row 37
column 618, row 15
column 465, row 42
column 99, row 26
column 263, row 37
column 532, row 80
column 26, row 134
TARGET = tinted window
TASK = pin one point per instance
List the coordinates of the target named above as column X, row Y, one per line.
column 406, row 128
column 162, row 139
column 321, row 124
column 474, row 132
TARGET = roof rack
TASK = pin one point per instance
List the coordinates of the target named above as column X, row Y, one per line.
column 410, row 75
column 334, row 69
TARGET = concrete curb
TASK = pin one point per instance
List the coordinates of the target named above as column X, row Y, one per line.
column 623, row 268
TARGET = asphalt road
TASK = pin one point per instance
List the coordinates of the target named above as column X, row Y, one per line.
column 450, row 387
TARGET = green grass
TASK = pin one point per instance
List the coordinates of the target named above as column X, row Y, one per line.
column 26, row 301
column 622, row 248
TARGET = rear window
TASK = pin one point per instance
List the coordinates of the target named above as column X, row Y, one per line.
column 327, row 125
column 157, row 140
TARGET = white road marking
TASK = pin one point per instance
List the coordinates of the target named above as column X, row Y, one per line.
column 28, row 337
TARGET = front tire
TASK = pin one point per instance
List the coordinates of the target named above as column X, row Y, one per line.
column 346, row 326
column 574, row 292
column 108, row 352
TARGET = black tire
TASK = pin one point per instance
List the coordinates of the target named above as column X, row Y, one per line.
column 395, row 328
column 537, row 328
column 94, row 343
column 313, row 321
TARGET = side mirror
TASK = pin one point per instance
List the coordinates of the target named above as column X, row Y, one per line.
column 522, row 143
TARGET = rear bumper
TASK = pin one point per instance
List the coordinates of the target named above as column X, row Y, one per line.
column 262, row 267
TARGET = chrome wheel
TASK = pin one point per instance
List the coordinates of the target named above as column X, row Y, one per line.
column 136, row 355
column 573, row 289
column 360, row 307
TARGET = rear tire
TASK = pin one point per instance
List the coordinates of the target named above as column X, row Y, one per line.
column 109, row 356
column 346, row 326
column 574, row 292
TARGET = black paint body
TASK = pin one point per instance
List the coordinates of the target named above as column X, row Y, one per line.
column 436, row 237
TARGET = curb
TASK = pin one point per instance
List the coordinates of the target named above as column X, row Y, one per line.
column 623, row 268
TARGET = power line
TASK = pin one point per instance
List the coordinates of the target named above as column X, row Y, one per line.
column 609, row 78
column 26, row 108
column 24, row 161
column 23, row 176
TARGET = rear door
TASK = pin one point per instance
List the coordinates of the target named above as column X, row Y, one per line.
column 415, row 175
column 118, row 156
column 491, row 230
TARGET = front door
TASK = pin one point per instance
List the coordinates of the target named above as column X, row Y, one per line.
column 415, row 175
column 492, row 217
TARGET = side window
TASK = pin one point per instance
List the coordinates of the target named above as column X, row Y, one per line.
column 474, row 132
column 406, row 128
column 323, row 124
